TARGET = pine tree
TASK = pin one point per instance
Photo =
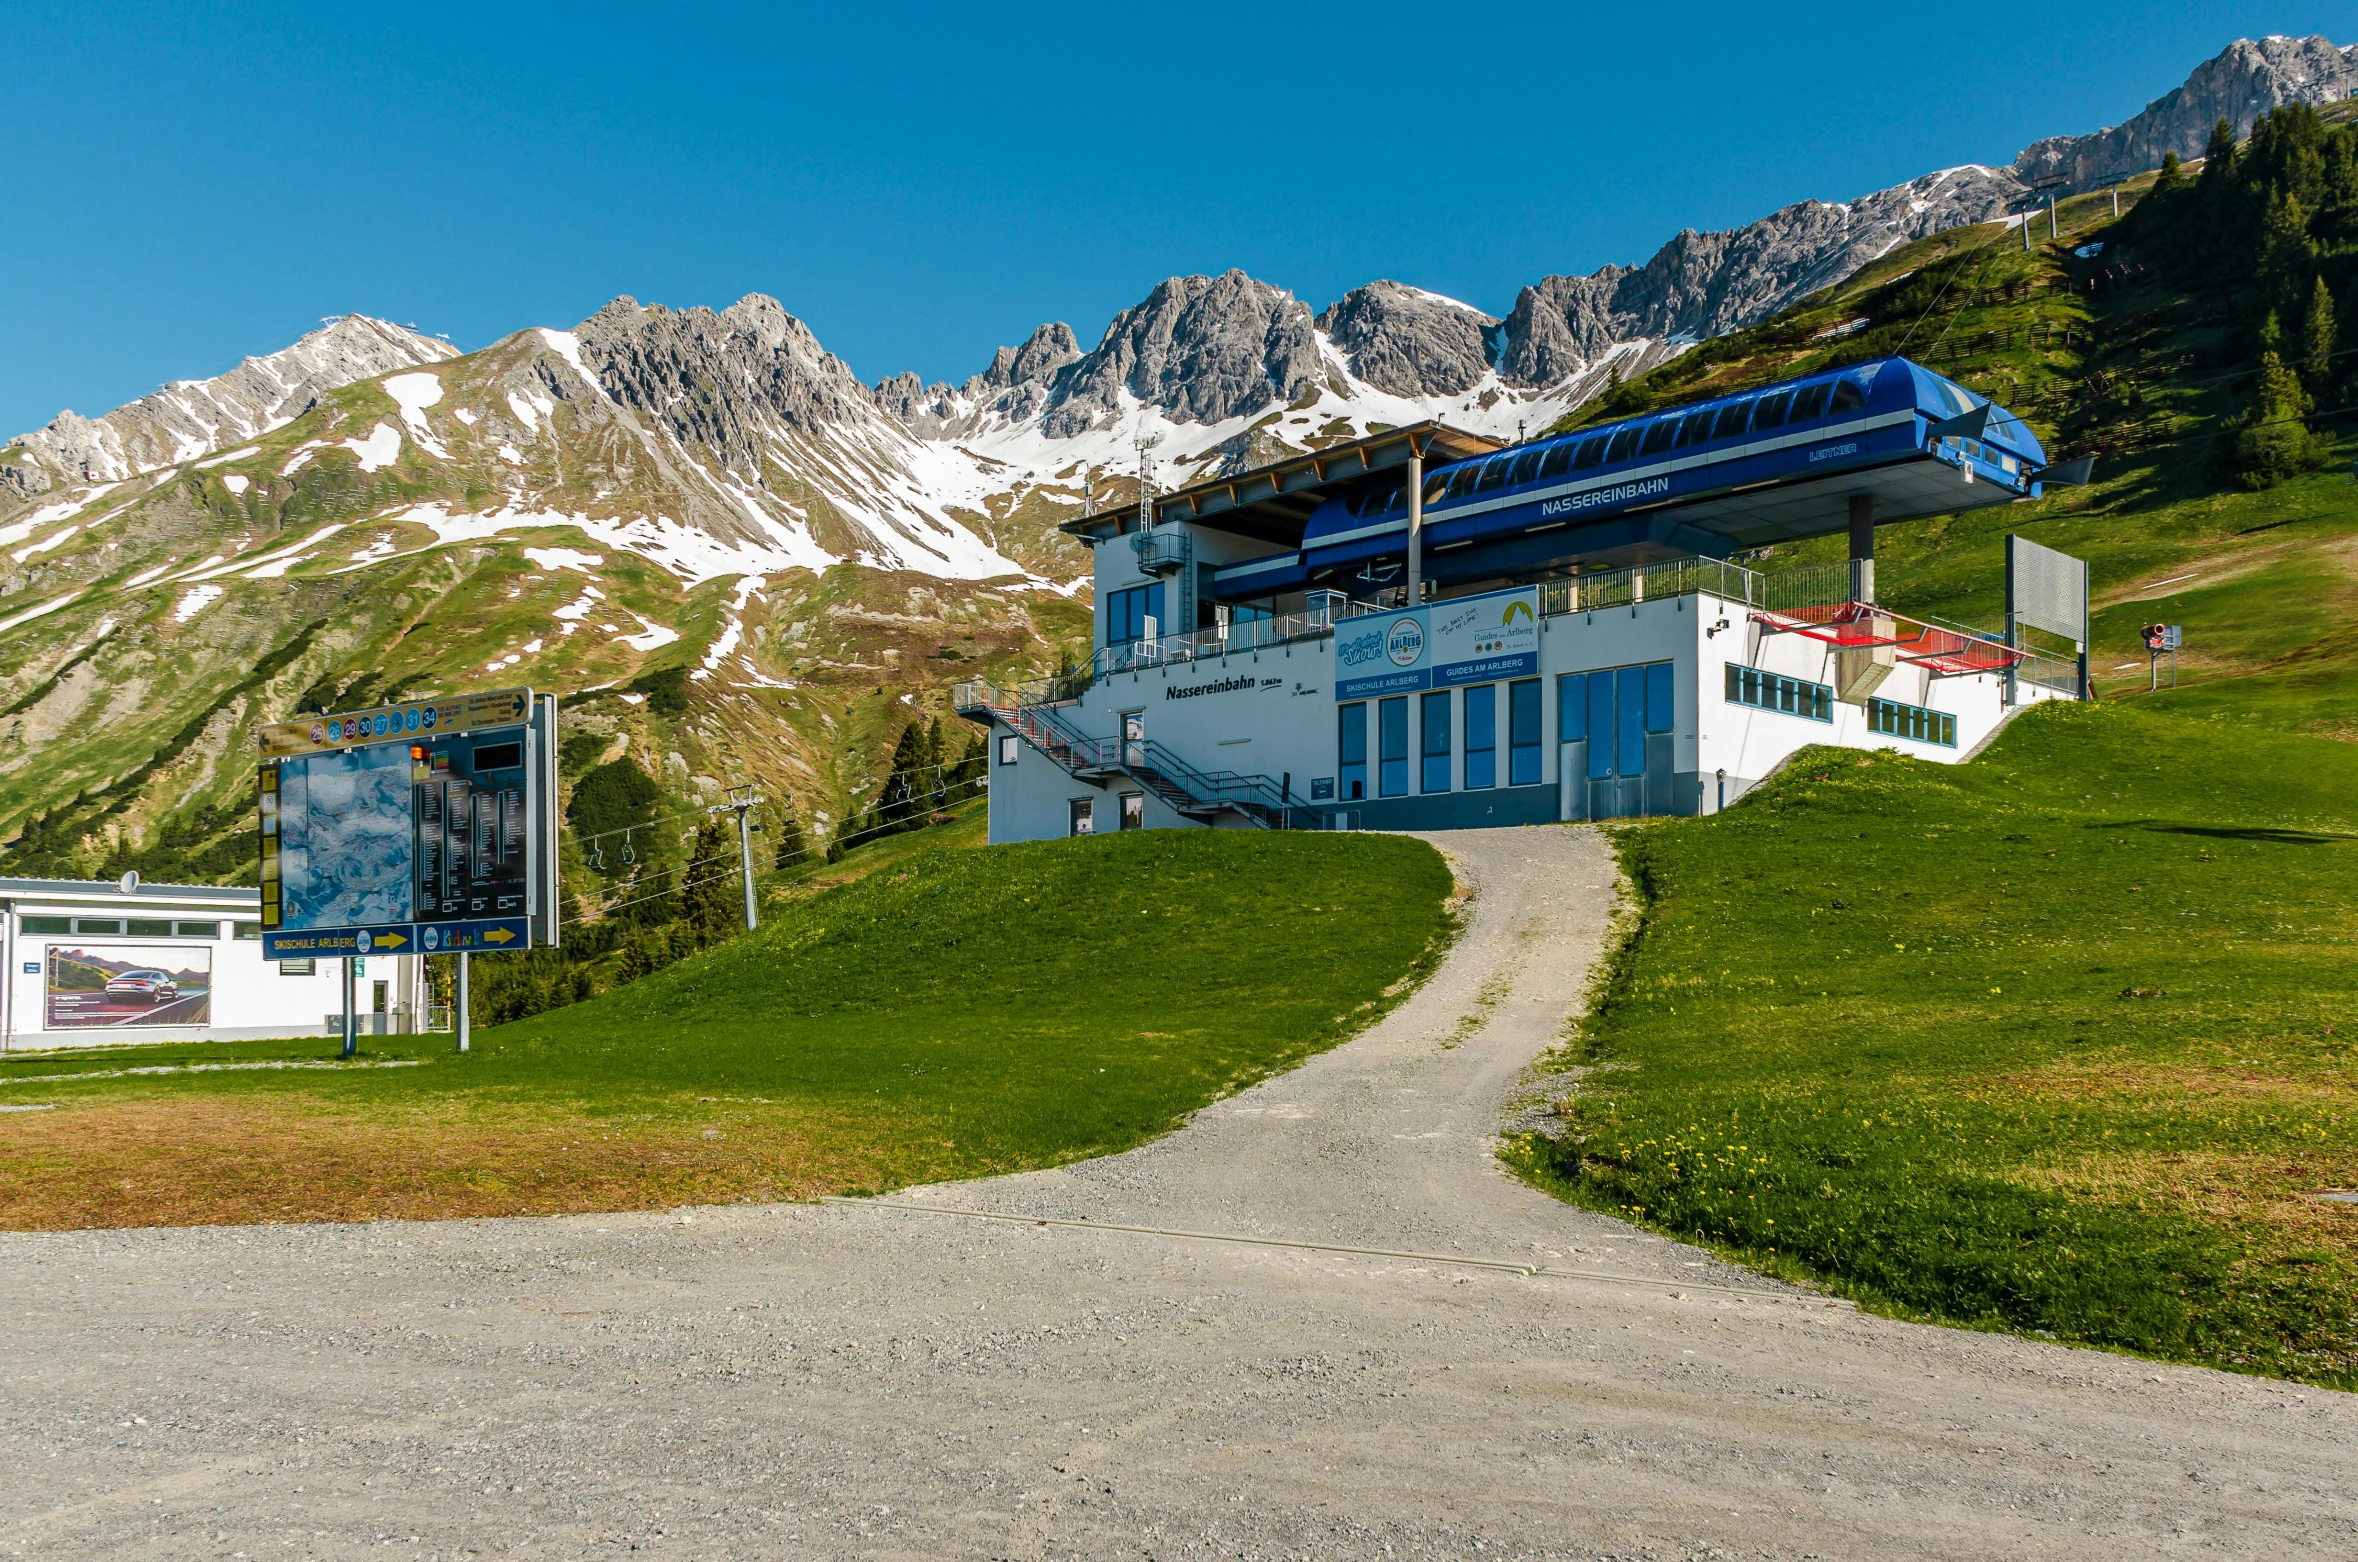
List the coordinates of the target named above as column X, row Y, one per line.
column 714, row 900
column 2171, row 179
column 2273, row 443
column 2317, row 335
column 932, row 782
column 899, row 798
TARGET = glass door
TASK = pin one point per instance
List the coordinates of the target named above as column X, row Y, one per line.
column 1133, row 737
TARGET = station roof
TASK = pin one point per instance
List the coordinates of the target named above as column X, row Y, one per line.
column 1272, row 503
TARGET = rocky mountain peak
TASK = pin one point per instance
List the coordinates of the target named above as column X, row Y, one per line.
column 1204, row 349
column 724, row 380
column 2239, row 84
column 189, row 419
column 1408, row 342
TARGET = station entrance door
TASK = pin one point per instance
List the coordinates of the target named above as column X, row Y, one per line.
column 1616, row 748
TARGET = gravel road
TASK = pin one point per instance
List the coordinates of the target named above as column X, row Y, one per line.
column 1374, row 1344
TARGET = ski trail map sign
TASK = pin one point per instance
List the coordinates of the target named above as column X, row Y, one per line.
column 411, row 829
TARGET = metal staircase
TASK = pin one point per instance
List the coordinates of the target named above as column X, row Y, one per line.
column 1191, row 793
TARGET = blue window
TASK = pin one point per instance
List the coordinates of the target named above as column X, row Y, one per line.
column 1351, row 750
column 1523, row 733
column 1571, row 707
column 1770, row 692
column 1913, row 722
column 1661, row 704
column 1629, row 731
column 1433, row 718
column 1126, row 613
column 1392, row 746
column 1482, row 736
column 1600, row 725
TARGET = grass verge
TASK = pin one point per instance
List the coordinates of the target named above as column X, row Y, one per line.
column 2060, row 1041
column 962, row 1012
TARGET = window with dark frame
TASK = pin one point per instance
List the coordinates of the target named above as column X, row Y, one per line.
column 1658, row 437
column 1481, row 706
column 1392, row 746
column 1433, row 726
column 1010, row 748
column 1774, row 692
column 1523, row 766
column 1351, row 750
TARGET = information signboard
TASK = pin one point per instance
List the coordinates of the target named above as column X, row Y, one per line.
column 413, row 828
column 1438, row 646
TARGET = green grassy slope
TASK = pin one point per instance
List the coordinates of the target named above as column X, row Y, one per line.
column 2063, row 1040
column 2142, row 368
column 956, row 1013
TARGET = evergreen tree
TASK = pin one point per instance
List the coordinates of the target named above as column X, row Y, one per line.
column 898, row 801
column 714, row 899
column 2317, row 335
column 2273, row 442
column 2172, row 178
column 933, row 781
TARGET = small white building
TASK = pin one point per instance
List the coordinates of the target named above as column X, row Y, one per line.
column 93, row 963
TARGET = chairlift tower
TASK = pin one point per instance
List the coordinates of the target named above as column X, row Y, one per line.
column 743, row 800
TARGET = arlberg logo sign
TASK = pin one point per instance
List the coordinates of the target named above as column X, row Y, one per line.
column 1405, row 643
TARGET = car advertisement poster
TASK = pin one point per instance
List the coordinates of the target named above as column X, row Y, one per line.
column 1438, row 646
column 103, row 986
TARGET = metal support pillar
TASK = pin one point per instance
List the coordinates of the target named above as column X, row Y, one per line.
column 1416, row 523
column 351, row 980
column 458, row 1016
column 1862, row 547
column 2054, row 226
column 745, row 861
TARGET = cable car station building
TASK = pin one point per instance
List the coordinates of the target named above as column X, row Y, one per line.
column 1424, row 629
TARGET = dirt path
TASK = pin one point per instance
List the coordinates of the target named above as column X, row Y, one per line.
column 898, row 1380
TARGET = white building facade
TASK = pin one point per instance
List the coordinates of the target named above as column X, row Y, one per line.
column 94, row 963
column 1280, row 649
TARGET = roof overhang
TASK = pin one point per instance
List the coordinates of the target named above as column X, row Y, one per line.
column 1272, row 503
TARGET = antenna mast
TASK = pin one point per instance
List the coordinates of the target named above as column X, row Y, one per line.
column 1145, row 443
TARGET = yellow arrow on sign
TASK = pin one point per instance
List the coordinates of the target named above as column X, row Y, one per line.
column 389, row 940
column 498, row 935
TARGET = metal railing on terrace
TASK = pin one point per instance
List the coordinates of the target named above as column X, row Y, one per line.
column 1240, row 638
column 1796, row 590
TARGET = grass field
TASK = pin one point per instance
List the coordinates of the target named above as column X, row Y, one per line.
column 954, row 1013
column 2064, row 1040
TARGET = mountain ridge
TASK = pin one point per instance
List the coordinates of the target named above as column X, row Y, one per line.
column 743, row 560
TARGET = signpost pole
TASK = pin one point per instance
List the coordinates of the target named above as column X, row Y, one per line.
column 351, row 978
column 459, row 1014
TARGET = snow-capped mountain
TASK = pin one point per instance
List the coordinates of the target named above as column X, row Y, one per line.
column 192, row 418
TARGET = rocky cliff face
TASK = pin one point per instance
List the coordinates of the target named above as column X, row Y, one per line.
column 2244, row 81
column 192, row 418
column 722, row 381
column 1408, row 342
column 1205, row 349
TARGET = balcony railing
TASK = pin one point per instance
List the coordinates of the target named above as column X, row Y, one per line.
column 1241, row 638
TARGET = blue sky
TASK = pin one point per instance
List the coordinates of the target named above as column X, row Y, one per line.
column 190, row 183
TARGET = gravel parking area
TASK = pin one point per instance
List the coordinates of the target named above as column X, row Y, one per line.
column 1318, row 1322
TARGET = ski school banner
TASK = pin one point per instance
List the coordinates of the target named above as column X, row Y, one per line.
column 1438, row 646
